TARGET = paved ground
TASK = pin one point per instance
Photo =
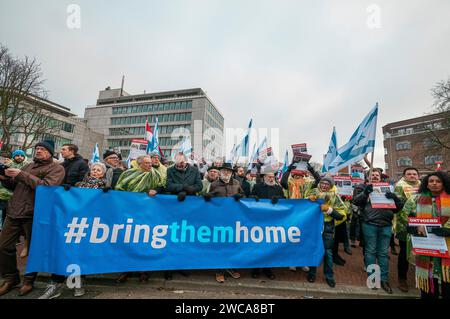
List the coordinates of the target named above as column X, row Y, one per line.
column 350, row 279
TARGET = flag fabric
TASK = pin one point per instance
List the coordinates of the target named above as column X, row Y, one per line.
column 186, row 146
column 232, row 154
column 285, row 165
column 95, row 154
column 361, row 142
column 332, row 152
column 153, row 143
column 243, row 147
column 253, row 157
column 148, row 136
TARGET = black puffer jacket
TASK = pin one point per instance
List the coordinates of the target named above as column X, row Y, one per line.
column 381, row 217
column 76, row 169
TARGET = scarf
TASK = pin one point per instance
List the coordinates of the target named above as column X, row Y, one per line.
column 91, row 182
column 137, row 180
column 428, row 267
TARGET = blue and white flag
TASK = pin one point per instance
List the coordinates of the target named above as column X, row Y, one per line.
column 285, row 165
column 154, row 144
column 332, row 152
column 186, row 146
column 243, row 148
column 253, row 157
column 361, row 143
column 95, row 154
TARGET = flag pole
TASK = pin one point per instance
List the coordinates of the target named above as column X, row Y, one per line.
column 371, row 165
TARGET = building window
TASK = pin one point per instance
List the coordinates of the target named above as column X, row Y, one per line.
column 404, row 161
column 431, row 160
column 387, row 166
column 409, row 130
column 401, row 131
column 405, row 145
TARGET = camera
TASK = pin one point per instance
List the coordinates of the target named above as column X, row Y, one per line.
column 3, row 167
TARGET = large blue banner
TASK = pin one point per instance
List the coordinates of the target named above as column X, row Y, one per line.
column 122, row 231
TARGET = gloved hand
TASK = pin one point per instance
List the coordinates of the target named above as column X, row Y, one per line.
column 312, row 198
column 368, row 189
column 181, row 196
column 291, row 167
column 256, row 198
column 190, row 190
column 391, row 195
column 237, row 197
column 411, row 230
column 442, row 232
column 207, row 197
column 66, row 186
column 106, row 189
column 274, row 199
column 325, row 208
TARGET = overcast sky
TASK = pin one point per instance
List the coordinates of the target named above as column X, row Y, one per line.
column 300, row 66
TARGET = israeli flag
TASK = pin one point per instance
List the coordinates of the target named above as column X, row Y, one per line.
column 332, row 152
column 95, row 154
column 253, row 158
column 243, row 147
column 361, row 143
column 186, row 146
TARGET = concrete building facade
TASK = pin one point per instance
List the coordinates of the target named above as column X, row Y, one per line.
column 121, row 118
column 67, row 128
column 419, row 142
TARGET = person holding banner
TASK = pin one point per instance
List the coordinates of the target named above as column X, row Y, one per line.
column 406, row 188
column 113, row 170
column 211, row 176
column 182, row 180
column 377, row 228
column 42, row 171
column 269, row 189
column 225, row 186
column 156, row 164
column 333, row 210
column 144, row 179
column 432, row 201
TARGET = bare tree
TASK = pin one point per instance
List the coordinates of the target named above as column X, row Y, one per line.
column 21, row 89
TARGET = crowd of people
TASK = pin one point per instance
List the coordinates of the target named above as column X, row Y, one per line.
column 346, row 218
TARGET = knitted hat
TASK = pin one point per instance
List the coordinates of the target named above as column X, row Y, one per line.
column 108, row 153
column 49, row 145
column 328, row 179
column 18, row 152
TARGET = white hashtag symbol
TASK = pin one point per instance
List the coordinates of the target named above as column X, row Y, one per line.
column 76, row 230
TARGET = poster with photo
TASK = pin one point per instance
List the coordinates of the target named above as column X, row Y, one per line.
column 344, row 185
column 138, row 148
column 378, row 198
column 424, row 242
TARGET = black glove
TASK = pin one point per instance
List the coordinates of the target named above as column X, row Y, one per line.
column 66, row 186
column 106, row 189
column 274, row 199
column 181, row 196
column 368, row 189
column 411, row 230
column 391, row 195
column 310, row 168
column 442, row 232
column 207, row 197
column 190, row 190
column 237, row 197
column 256, row 198
column 291, row 167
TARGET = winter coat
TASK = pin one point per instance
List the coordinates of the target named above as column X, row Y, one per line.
column 381, row 217
column 263, row 190
column 112, row 175
column 177, row 180
column 6, row 194
column 221, row 189
column 76, row 169
column 46, row 173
